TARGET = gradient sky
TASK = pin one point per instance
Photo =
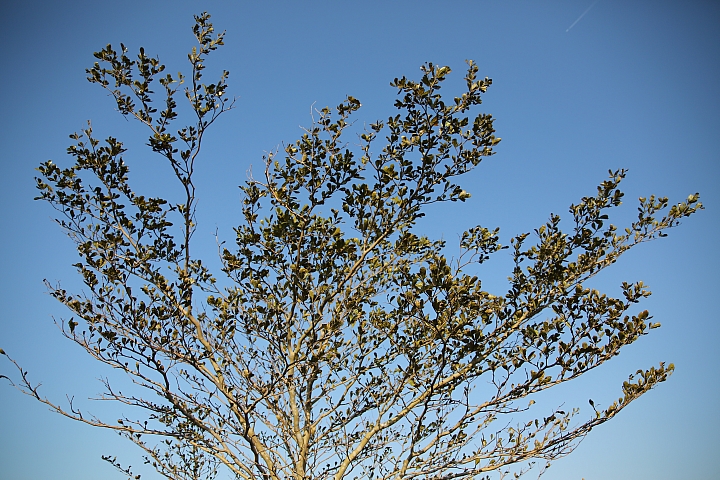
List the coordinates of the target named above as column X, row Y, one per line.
column 633, row 84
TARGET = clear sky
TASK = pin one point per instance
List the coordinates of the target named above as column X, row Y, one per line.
column 633, row 84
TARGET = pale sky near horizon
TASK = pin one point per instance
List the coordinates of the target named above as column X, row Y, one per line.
column 578, row 88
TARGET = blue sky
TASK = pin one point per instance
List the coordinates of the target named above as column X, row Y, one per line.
column 633, row 84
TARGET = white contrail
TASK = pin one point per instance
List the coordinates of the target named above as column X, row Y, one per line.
column 583, row 14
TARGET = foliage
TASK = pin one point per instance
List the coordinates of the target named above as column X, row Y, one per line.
column 341, row 342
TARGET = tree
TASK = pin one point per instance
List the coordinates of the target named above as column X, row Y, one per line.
column 340, row 342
